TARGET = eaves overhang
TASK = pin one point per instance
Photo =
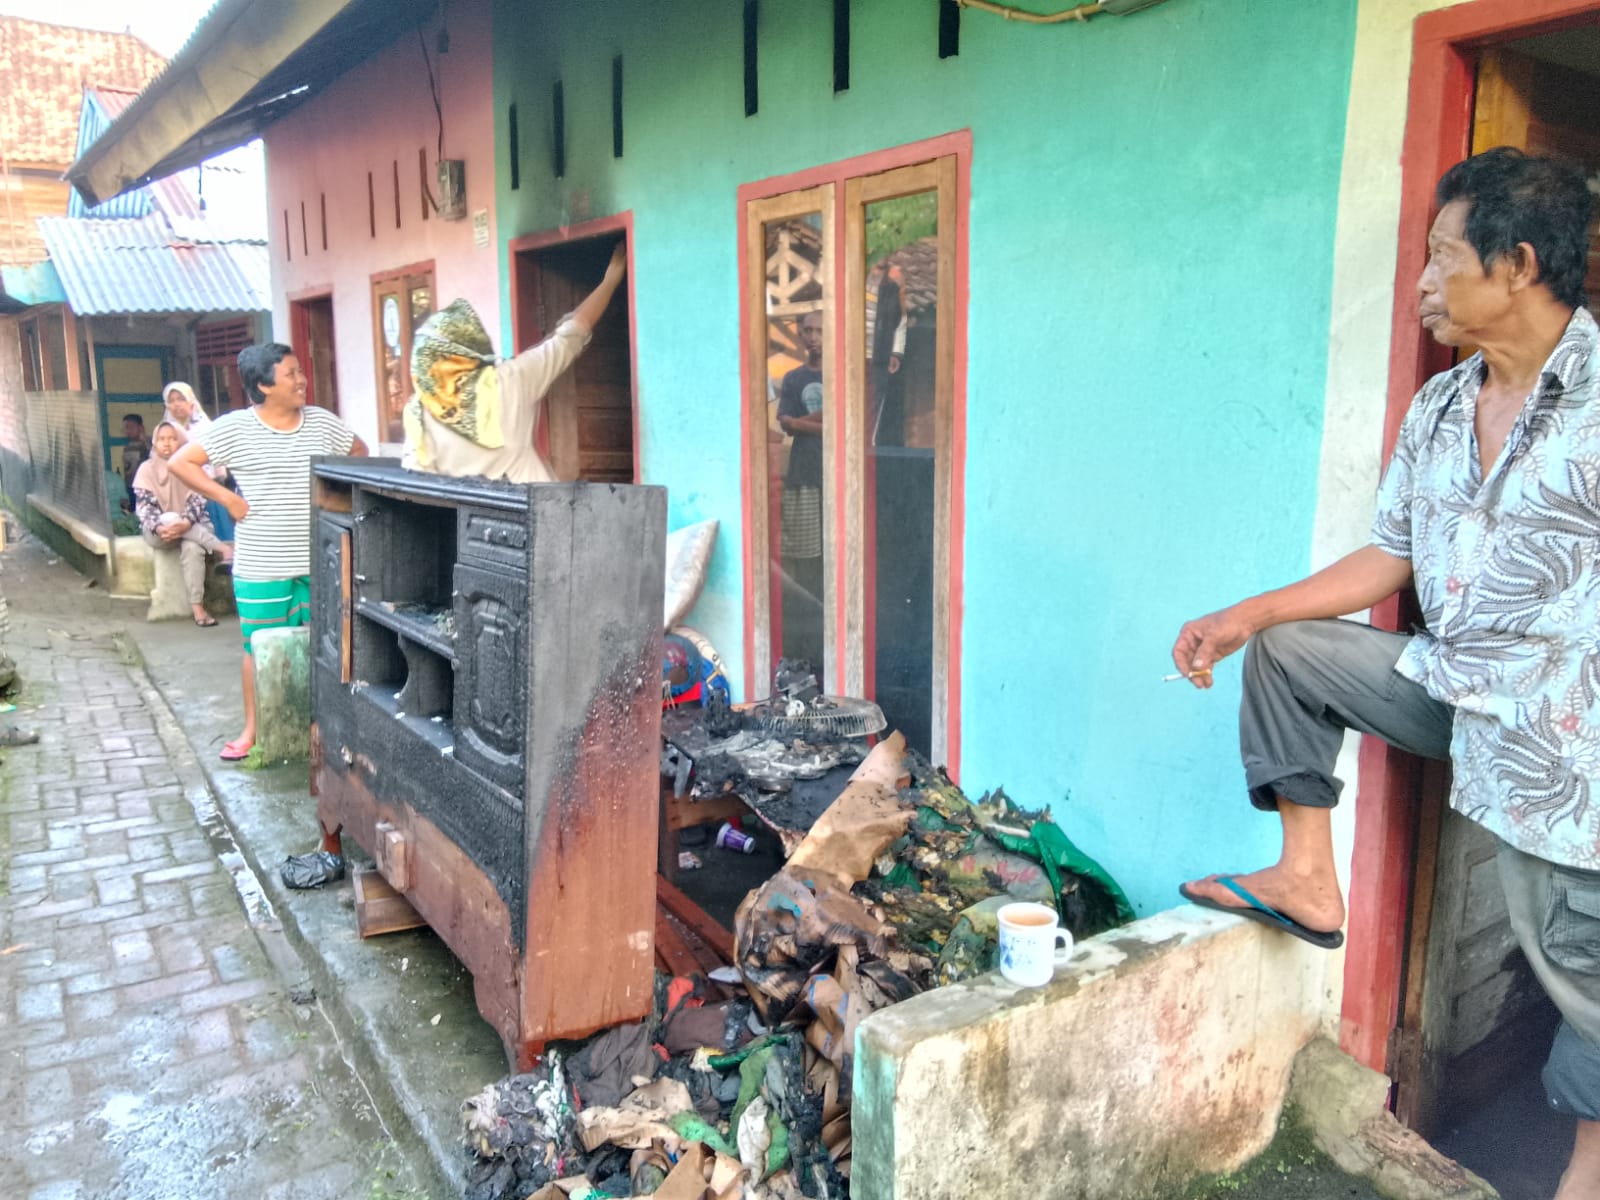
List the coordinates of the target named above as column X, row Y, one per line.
column 248, row 64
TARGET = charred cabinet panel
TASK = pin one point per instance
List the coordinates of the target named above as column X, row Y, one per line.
column 491, row 613
column 330, row 594
column 527, row 830
column 495, row 538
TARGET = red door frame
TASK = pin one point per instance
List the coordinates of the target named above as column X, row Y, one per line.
column 1445, row 46
column 525, row 330
column 959, row 146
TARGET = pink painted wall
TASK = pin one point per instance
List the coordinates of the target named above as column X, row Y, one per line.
column 378, row 115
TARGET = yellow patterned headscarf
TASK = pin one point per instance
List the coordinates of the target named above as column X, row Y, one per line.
column 452, row 370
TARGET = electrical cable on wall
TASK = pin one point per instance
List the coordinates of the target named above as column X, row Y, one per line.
column 1080, row 12
column 438, row 108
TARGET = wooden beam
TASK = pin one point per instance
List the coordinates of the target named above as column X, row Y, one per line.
column 69, row 338
column 694, row 918
column 94, row 367
column 672, row 951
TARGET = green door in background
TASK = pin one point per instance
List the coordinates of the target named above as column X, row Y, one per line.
column 130, row 378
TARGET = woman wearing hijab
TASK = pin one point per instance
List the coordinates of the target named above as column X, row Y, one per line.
column 474, row 415
column 172, row 519
column 186, row 414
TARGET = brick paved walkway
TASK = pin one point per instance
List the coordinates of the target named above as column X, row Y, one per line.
column 147, row 1047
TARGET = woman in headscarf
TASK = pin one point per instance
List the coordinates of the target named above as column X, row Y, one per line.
column 184, row 411
column 186, row 414
column 172, row 519
column 473, row 415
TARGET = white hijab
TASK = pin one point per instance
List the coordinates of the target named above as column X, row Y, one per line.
column 195, row 425
column 197, row 416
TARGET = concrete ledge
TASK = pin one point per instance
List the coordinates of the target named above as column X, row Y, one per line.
column 1345, row 1106
column 133, row 572
column 91, row 540
column 283, row 694
column 169, row 600
column 1162, row 1052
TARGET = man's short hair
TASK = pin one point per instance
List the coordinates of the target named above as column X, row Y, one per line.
column 258, row 368
column 135, row 418
column 1517, row 197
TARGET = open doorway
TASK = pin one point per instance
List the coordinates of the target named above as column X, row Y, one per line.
column 1474, row 1026
column 311, row 325
column 587, row 429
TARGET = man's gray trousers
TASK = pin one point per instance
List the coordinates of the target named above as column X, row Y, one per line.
column 1307, row 682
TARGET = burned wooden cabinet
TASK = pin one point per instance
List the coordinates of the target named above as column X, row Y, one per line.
column 486, row 724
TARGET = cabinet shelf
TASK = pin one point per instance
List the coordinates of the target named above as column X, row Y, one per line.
column 432, row 629
column 435, row 731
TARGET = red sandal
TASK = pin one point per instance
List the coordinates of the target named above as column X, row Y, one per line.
column 236, row 751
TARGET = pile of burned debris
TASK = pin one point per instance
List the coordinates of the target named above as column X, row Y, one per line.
column 739, row 1084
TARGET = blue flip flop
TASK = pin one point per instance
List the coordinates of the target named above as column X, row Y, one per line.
column 1264, row 913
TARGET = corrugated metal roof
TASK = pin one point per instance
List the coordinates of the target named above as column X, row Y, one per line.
column 173, row 195
column 140, row 265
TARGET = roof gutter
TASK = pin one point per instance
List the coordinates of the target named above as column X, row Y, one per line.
column 236, row 45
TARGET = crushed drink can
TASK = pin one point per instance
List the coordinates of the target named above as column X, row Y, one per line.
column 736, row 840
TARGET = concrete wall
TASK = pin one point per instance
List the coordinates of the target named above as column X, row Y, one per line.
column 1151, row 239
column 1162, row 1052
column 377, row 115
column 1364, row 259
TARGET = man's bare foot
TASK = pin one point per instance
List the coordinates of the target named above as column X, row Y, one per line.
column 1310, row 900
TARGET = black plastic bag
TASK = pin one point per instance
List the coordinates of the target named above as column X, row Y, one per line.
column 311, row 870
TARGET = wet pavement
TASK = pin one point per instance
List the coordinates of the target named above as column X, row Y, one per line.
column 158, row 1037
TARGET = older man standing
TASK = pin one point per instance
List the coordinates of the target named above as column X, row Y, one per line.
column 1491, row 508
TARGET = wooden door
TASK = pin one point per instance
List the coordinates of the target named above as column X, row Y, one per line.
column 401, row 301
column 900, row 249
column 131, row 378
column 1473, row 1017
column 588, row 412
column 312, row 325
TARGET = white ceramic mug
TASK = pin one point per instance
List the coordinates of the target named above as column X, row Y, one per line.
column 1032, row 944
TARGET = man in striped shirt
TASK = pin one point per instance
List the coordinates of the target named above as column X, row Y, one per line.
column 268, row 447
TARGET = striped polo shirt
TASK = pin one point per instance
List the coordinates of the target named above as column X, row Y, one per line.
column 273, row 469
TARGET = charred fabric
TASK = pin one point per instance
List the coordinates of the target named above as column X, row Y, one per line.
column 739, row 1083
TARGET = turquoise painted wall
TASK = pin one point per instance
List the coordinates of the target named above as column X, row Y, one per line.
column 1151, row 228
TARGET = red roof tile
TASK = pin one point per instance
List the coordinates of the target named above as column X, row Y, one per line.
column 46, row 68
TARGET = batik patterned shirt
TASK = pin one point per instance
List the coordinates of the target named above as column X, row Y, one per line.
column 1507, row 569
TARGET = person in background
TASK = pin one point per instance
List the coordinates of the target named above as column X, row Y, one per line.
column 472, row 414
column 800, row 405
column 188, row 416
column 172, row 519
column 1490, row 507
column 268, row 447
column 135, row 449
column 890, row 319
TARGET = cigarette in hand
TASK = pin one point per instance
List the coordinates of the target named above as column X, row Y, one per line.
column 1186, row 675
